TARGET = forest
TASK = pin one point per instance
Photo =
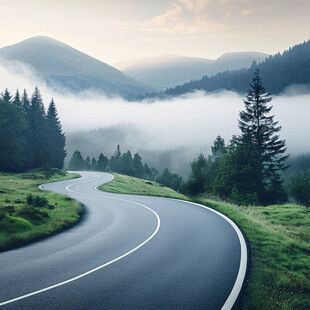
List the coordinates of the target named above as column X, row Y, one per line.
column 124, row 163
column 30, row 136
column 278, row 71
column 249, row 169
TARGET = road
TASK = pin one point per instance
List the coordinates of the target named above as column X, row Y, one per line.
column 129, row 252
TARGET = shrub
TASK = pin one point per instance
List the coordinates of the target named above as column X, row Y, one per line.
column 37, row 201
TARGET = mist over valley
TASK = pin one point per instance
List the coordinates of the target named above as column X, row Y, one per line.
column 166, row 133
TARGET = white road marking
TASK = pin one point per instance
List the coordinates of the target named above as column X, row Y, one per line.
column 230, row 301
column 243, row 259
column 99, row 267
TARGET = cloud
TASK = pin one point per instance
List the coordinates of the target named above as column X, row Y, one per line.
column 181, row 17
column 255, row 10
column 164, row 131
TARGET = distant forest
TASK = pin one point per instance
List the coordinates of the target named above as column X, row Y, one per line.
column 125, row 163
column 278, row 72
column 30, row 137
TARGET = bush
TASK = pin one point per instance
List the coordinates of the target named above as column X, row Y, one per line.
column 37, row 201
column 299, row 188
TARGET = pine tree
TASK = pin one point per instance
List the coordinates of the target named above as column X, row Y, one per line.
column 6, row 96
column 102, row 162
column 56, row 138
column 77, row 161
column 12, row 137
column 16, row 99
column 87, row 163
column 218, row 148
column 147, row 172
column 38, row 131
column 261, row 130
column 138, row 166
column 25, row 100
column 113, row 164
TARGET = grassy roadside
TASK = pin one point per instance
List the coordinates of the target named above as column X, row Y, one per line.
column 123, row 184
column 278, row 236
column 21, row 222
column 279, row 240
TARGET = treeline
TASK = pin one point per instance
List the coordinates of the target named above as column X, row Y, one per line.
column 246, row 171
column 278, row 71
column 125, row 163
column 30, row 137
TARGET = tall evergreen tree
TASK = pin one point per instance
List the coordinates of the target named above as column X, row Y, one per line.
column 87, row 163
column 124, row 164
column 12, row 137
column 115, row 158
column 258, row 127
column 77, row 161
column 38, row 130
column 218, row 148
column 6, row 96
column 102, row 162
column 25, row 100
column 16, row 99
column 93, row 164
column 56, row 138
column 138, row 166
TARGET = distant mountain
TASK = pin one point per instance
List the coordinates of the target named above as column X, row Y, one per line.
column 292, row 67
column 167, row 71
column 63, row 66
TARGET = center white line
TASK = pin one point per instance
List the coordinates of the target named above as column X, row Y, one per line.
column 101, row 266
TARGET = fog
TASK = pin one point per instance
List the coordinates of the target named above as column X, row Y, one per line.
column 165, row 132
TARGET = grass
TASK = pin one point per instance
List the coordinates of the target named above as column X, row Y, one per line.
column 278, row 275
column 21, row 223
column 278, row 237
column 122, row 184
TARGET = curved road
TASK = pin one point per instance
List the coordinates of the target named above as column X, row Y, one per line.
column 129, row 252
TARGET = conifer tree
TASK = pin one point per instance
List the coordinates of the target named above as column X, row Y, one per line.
column 218, row 148
column 138, row 166
column 38, row 131
column 87, row 163
column 16, row 99
column 115, row 158
column 102, row 162
column 77, row 161
column 260, row 129
column 6, row 96
column 56, row 138
column 12, row 138
column 25, row 100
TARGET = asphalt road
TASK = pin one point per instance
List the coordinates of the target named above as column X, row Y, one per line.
column 129, row 252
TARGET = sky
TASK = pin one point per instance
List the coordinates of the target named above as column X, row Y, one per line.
column 117, row 30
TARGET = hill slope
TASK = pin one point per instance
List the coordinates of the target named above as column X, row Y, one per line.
column 167, row 71
column 63, row 66
column 292, row 67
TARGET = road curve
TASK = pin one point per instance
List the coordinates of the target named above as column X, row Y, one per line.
column 129, row 252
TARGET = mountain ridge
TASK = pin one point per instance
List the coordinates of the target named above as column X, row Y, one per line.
column 278, row 72
column 60, row 64
column 167, row 70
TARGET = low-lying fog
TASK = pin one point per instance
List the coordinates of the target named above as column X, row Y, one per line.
column 166, row 133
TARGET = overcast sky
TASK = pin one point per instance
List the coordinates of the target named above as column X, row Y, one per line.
column 114, row 30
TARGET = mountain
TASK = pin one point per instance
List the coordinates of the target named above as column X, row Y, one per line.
column 62, row 66
column 278, row 72
column 167, row 71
